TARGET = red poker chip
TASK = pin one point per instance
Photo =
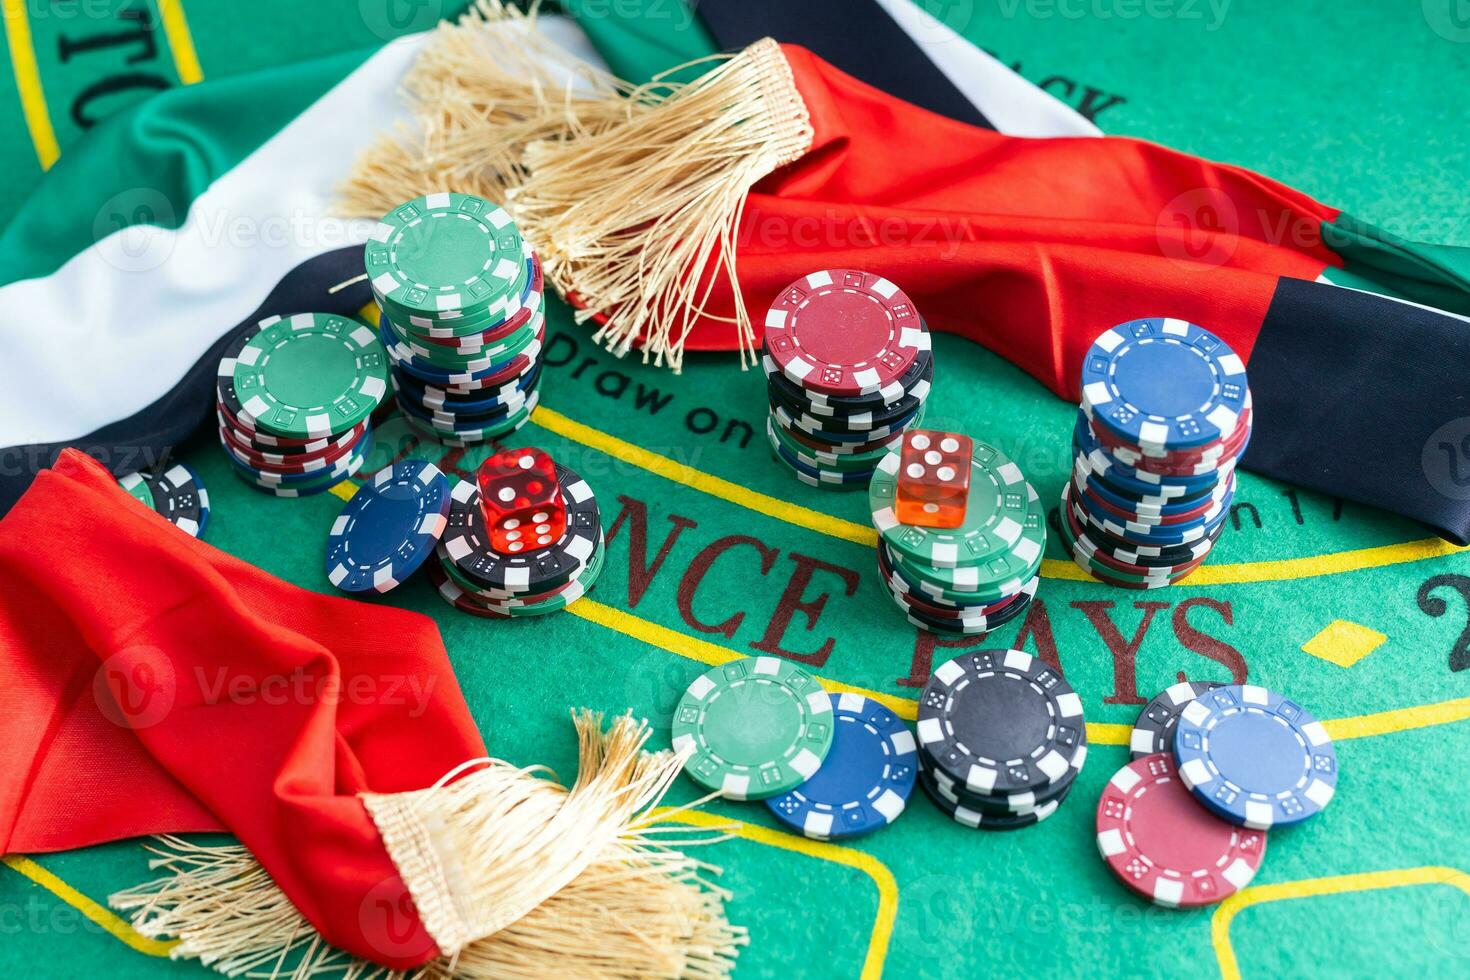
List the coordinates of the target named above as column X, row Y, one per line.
column 1164, row 845
column 322, row 450
column 1181, row 463
column 1097, row 503
column 844, row 332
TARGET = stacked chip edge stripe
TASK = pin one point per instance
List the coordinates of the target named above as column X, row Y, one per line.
column 465, row 362
column 294, row 399
column 985, row 706
column 1165, row 415
column 971, row 579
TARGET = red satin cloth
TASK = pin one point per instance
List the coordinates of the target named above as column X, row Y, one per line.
column 1031, row 247
column 154, row 684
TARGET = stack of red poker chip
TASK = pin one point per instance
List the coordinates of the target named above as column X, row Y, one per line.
column 848, row 366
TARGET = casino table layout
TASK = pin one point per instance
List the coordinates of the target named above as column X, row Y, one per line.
column 715, row 551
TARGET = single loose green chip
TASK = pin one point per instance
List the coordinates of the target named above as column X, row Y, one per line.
column 755, row 727
column 310, row 376
column 445, row 253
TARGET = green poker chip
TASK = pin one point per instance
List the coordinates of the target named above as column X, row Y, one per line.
column 445, row 254
column 526, row 294
column 754, row 727
column 1002, row 532
column 967, row 586
column 310, row 376
column 138, row 488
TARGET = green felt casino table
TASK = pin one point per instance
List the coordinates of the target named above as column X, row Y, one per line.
column 716, row 551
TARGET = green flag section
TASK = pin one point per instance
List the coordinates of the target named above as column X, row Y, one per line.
column 147, row 164
column 75, row 63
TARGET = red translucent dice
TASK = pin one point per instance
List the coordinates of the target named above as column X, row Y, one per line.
column 521, row 501
column 933, row 478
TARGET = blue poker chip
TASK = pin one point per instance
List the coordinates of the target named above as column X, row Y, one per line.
column 1255, row 757
column 388, row 528
column 1158, row 535
column 1147, row 506
column 431, row 399
column 865, row 780
column 1163, row 384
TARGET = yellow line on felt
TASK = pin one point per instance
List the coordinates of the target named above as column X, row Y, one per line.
column 804, row 517
column 114, row 925
column 1313, row 888
column 1098, row 733
column 1398, row 720
column 711, row 654
column 28, row 81
column 559, row 424
column 180, row 41
column 882, row 931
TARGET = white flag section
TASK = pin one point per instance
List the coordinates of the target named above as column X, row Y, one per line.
column 119, row 324
column 1012, row 104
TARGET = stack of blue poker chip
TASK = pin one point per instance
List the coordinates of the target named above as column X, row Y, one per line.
column 1164, row 418
column 388, row 528
column 864, row 781
column 1255, row 757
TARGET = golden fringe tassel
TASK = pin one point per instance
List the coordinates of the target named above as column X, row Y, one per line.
column 631, row 194
column 513, row 875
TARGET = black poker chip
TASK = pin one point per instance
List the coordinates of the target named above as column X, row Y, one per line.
column 986, row 819
column 465, row 543
column 1154, row 729
column 1001, row 722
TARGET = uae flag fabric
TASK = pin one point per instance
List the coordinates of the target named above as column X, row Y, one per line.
column 1020, row 228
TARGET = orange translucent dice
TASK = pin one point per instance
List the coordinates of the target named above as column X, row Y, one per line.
column 933, row 478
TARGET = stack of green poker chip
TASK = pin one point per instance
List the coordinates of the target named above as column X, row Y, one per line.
column 969, row 579
column 753, row 728
column 460, row 295
column 294, row 398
